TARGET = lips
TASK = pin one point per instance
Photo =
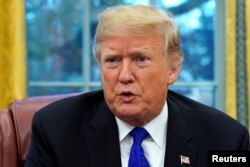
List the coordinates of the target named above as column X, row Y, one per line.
column 127, row 96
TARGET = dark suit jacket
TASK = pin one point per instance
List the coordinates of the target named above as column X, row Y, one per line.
column 81, row 131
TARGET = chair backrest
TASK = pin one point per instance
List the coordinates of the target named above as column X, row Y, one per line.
column 8, row 145
column 15, row 128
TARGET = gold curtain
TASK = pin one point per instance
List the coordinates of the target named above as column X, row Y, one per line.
column 247, row 8
column 237, row 21
column 231, row 107
column 12, row 51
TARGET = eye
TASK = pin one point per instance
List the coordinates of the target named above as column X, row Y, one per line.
column 112, row 62
column 142, row 60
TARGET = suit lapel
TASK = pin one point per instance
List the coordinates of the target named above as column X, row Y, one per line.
column 103, row 146
column 178, row 136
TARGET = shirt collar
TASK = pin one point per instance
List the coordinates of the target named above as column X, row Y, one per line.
column 160, row 123
column 123, row 128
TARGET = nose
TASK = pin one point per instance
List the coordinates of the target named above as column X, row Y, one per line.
column 126, row 75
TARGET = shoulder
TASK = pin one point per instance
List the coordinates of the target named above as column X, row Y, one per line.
column 196, row 110
column 207, row 120
column 72, row 108
column 189, row 106
column 83, row 98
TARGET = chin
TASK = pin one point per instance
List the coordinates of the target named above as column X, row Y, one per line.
column 134, row 120
column 129, row 110
column 130, row 114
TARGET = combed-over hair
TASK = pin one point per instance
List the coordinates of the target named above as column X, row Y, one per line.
column 139, row 20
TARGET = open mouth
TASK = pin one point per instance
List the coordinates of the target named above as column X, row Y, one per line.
column 127, row 96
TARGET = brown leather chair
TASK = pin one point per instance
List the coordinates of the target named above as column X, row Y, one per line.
column 15, row 128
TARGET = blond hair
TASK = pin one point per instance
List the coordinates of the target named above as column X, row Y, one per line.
column 139, row 20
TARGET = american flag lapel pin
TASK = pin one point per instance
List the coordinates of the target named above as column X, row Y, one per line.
column 184, row 160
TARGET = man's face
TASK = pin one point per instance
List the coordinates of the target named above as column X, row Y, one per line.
column 135, row 76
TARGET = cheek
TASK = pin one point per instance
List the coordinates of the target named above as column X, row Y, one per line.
column 108, row 87
column 109, row 79
column 163, row 74
column 155, row 78
column 154, row 83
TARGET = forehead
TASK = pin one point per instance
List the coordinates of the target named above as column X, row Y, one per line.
column 132, row 43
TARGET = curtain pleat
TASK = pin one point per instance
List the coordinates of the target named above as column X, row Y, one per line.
column 231, row 59
column 12, row 51
column 247, row 19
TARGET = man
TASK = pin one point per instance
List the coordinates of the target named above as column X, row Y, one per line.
column 139, row 55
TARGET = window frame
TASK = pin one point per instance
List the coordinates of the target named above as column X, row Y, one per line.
column 219, row 71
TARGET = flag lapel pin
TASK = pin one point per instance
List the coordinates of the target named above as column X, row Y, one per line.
column 184, row 160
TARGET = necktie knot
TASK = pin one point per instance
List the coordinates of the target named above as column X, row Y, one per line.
column 138, row 134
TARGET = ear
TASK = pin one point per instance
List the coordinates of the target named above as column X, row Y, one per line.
column 173, row 73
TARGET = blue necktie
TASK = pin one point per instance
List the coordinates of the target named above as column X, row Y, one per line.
column 137, row 158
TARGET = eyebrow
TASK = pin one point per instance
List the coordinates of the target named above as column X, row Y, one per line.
column 110, row 54
column 143, row 47
column 141, row 50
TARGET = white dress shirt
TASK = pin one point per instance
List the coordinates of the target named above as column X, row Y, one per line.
column 154, row 145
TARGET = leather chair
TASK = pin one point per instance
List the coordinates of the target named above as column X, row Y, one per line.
column 15, row 128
